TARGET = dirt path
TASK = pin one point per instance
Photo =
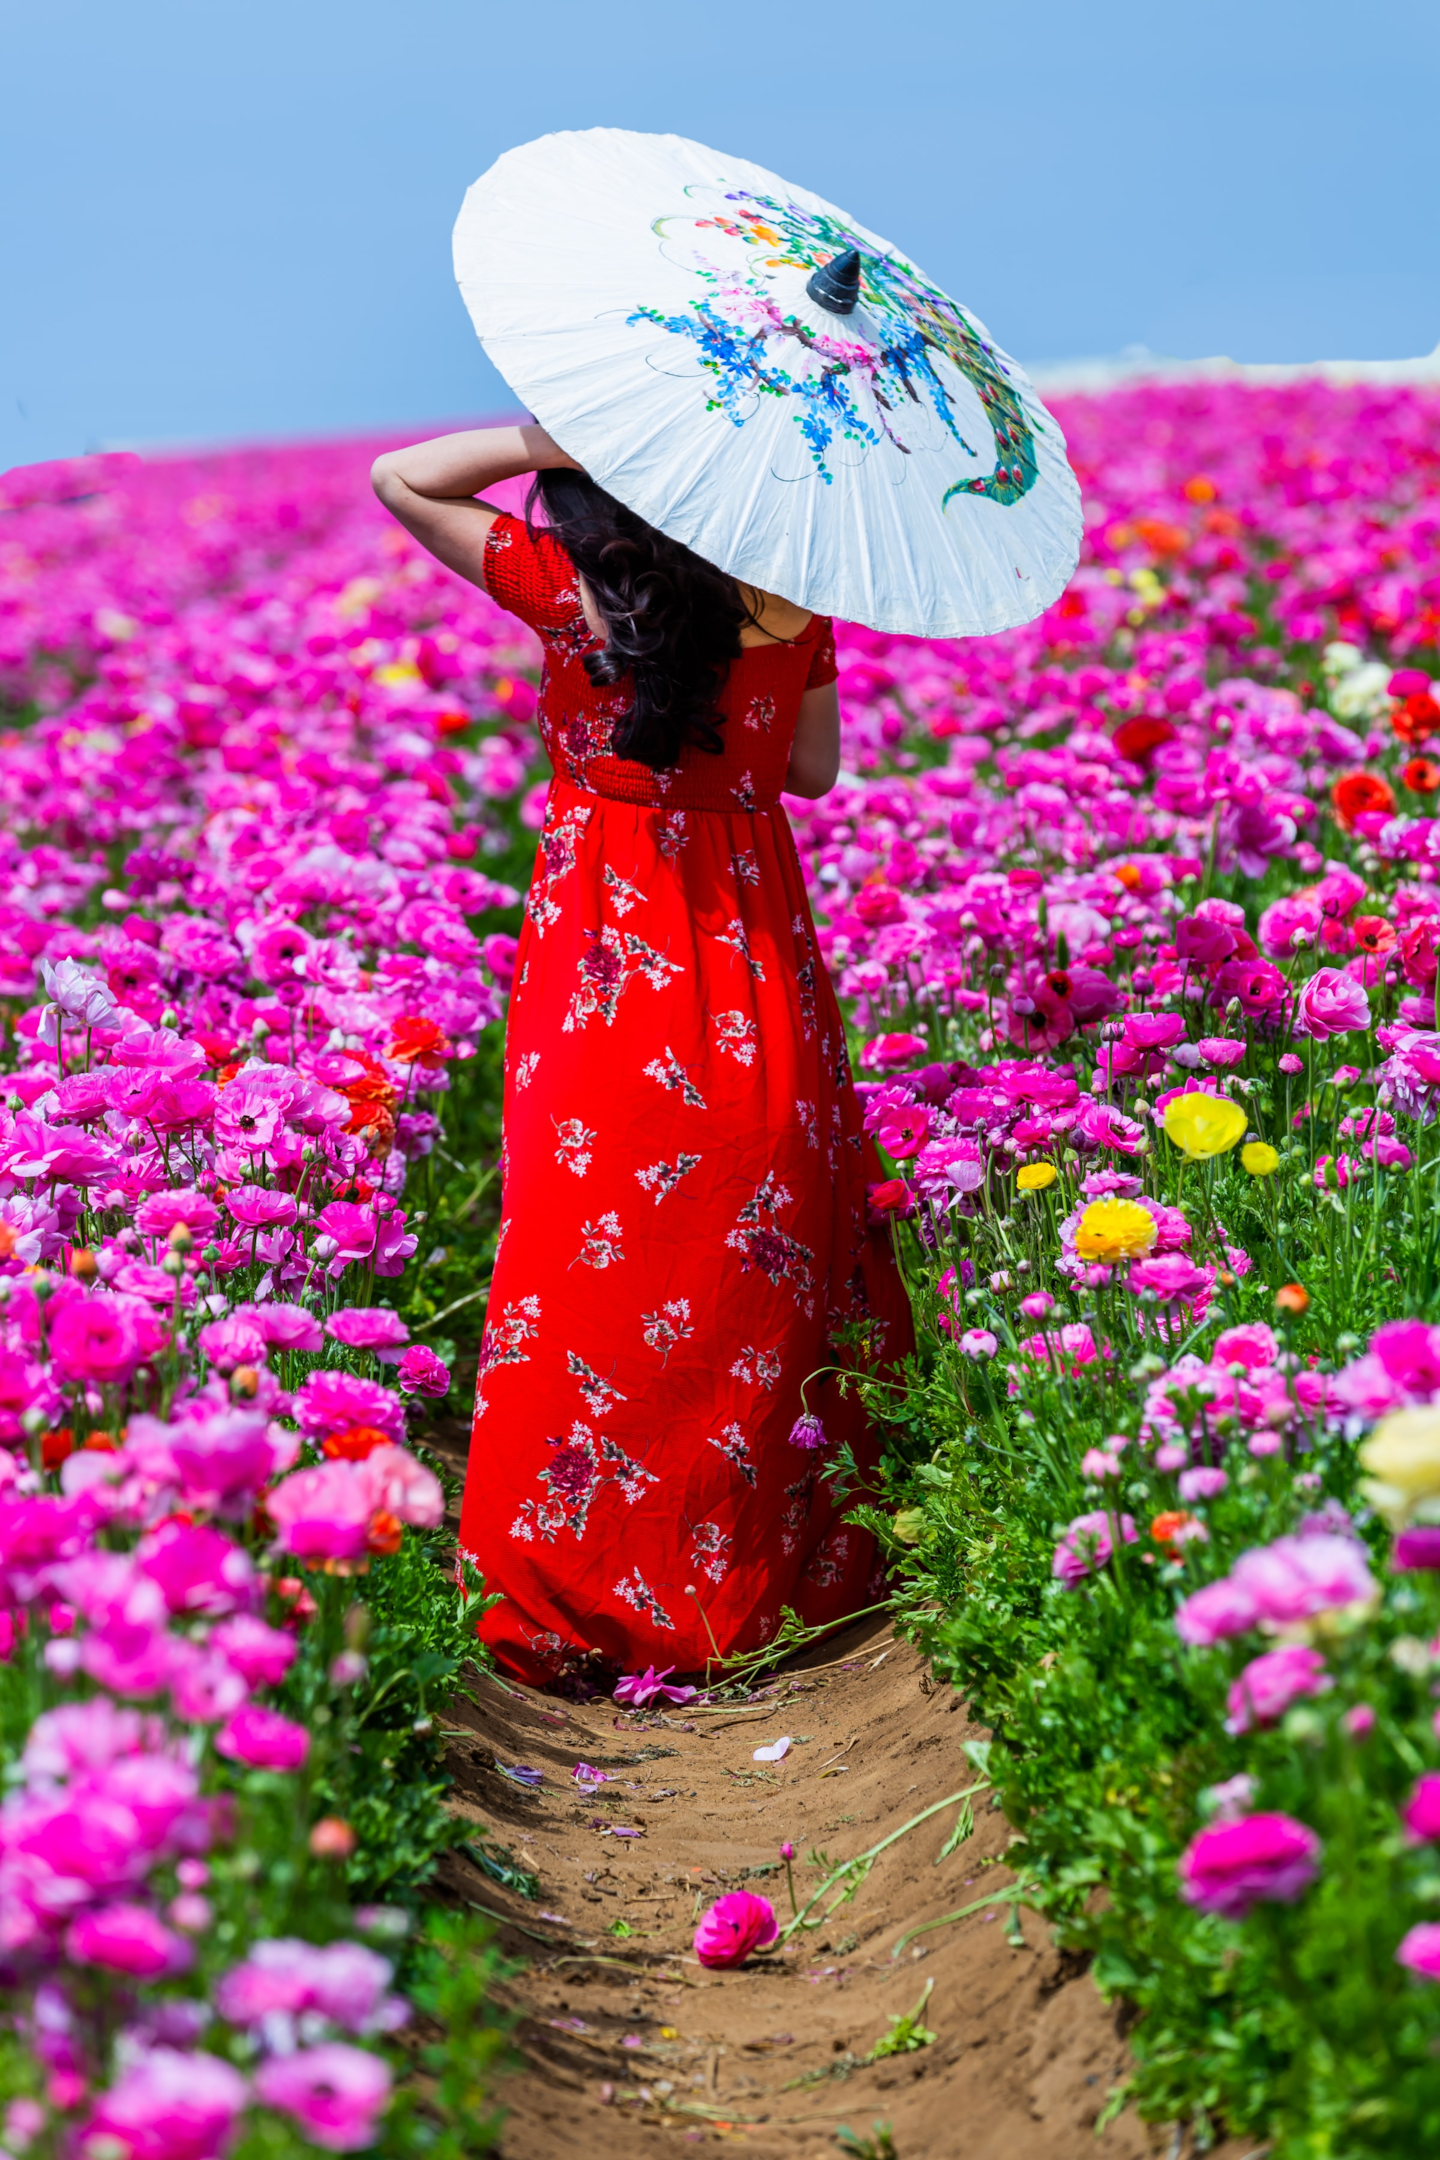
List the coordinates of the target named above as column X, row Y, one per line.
column 629, row 2041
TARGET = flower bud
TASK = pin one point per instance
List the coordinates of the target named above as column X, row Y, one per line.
column 82, row 1264
column 180, row 1239
column 332, row 1839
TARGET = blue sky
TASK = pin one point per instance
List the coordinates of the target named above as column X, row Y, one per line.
column 225, row 221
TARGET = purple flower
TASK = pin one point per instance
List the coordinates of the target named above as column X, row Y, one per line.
column 1259, row 1858
column 736, row 1924
column 806, row 1432
column 1417, row 1549
column 637, row 1689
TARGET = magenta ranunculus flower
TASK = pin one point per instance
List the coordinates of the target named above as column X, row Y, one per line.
column 421, row 1372
column 199, row 1570
column 1220, row 1609
column 127, row 1939
column 1421, row 1812
column 1420, row 1950
column 94, row 1338
column 368, row 1327
column 1417, row 1548
column 1257, row 1858
column 330, row 1401
column 1332, row 1003
column 735, row 1925
column 323, row 1513
column 637, row 1689
column 170, row 2105
column 263, row 1740
column 334, row 2092
column 1273, row 1681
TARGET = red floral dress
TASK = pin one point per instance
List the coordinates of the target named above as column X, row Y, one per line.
column 684, row 1226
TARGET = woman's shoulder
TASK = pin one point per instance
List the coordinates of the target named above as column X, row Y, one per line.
column 530, row 574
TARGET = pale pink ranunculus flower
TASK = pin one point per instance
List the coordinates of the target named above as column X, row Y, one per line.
column 1331, row 1003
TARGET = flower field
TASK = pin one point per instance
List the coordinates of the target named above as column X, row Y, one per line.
column 1136, row 915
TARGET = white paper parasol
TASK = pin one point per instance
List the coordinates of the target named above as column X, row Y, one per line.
column 668, row 315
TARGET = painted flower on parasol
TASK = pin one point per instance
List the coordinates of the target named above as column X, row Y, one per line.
column 766, row 380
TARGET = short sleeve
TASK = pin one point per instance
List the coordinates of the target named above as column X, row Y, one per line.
column 822, row 656
column 532, row 578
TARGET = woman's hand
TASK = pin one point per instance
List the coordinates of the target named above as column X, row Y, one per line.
column 432, row 486
column 815, row 752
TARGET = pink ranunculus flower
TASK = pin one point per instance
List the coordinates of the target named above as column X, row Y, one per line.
column 230, row 1342
column 1421, row 1812
column 1202, row 1483
column 368, row 1327
column 1420, row 1950
column 263, row 1739
column 342, row 1981
column 1088, row 1545
column 1219, row 1610
column 261, row 1654
column 1273, row 1681
column 127, row 1939
column 1297, row 1577
column 169, row 2105
column 402, row 1487
column 282, row 1326
column 322, row 1513
column 736, row 1924
column 1256, row 1859
column 421, row 1372
column 259, row 1207
column 198, row 1569
column 334, row 2092
column 330, row 1401
column 978, row 1342
column 94, row 1337
column 1331, row 1003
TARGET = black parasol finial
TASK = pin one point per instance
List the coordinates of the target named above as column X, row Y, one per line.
column 836, row 284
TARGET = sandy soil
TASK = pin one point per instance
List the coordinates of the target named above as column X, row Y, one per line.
column 628, row 2041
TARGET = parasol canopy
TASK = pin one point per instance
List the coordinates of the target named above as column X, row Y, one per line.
column 766, row 380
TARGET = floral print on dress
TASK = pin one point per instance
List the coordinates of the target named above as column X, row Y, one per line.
column 738, row 938
column 733, row 1445
column 600, row 1396
column 710, row 1550
column 574, row 1145
column 622, row 894
column 579, row 1466
column 766, row 1246
column 735, row 1032
column 672, row 1074
column 600, row 1242
column 661, row 1178
column 757, row 1368
column 670, row 1325
column 760, row 712
column 610, row 962
column 635, row 1591
column 556, row 852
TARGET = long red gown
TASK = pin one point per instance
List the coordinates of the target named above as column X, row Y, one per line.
column 684, row 1222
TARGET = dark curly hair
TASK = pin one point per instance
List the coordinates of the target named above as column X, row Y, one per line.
column 673, row 622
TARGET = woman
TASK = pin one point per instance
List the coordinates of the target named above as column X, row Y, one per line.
column 684, row 1245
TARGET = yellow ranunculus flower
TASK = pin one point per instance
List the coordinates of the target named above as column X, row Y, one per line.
column 1260, row 1159
column 1204, row 1125
column 1035, row 1176
column 1402, row 1456
column 1115, row 1230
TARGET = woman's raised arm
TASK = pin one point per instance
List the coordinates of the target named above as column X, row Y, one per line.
column 432, row 486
